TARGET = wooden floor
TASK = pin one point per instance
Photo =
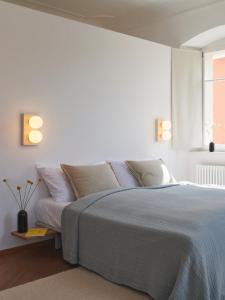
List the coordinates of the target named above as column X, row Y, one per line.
column 30, row 263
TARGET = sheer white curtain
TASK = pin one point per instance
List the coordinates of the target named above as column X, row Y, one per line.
column 187, row 99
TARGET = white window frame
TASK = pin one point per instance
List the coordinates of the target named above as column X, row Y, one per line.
column 208, row 98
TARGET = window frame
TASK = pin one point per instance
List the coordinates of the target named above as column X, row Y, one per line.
column 208, row 103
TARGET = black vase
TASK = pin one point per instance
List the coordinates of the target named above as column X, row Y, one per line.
column 22, row 221
column 211, row 147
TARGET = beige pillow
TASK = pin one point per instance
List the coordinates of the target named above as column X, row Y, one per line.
column 90, row 179
column 150, row 172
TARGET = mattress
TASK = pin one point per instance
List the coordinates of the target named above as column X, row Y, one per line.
column 49, row 212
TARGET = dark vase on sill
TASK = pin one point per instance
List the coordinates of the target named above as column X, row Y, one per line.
column 211, row 147
column 22, row 221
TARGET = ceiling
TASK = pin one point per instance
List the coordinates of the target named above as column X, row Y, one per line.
column 119, row 15
column 206, row 38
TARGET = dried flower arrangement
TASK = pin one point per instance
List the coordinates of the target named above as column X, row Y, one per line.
column 22, row 196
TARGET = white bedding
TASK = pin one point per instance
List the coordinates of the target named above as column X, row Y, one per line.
column 49, row 212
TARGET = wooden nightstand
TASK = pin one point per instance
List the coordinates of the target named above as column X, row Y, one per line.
column 24, row 237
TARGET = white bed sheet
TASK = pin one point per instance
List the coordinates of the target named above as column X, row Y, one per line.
column 49, row 212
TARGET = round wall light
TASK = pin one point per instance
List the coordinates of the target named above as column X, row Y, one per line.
column 35, row 122
column 163, row 130
column 35, row 136
column 31, row 133
column 166, row 125
column 166, row 136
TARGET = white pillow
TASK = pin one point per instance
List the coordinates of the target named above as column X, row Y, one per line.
column 57, row 184
column 123, row 174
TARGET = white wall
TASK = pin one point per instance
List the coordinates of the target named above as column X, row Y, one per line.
column 98, row 92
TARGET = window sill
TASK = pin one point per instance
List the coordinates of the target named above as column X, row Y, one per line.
column 205, row 150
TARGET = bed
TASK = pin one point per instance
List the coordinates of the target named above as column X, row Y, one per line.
column 168, row 242
column 48, row 213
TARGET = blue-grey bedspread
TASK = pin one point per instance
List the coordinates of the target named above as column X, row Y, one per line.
column 168, row 242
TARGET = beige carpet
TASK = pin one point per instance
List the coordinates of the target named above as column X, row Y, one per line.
column 76, row 284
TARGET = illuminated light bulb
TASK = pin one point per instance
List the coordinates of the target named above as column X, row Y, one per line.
column 35, row 136
column 166, row 136
column 35, row 122
column 166, row 125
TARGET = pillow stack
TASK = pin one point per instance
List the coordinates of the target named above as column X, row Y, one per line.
column 72, row 182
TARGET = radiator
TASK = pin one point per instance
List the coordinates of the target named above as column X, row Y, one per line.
column 214, row 175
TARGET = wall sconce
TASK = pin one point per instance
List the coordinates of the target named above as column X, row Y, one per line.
column 31, row 130
column 163, row 130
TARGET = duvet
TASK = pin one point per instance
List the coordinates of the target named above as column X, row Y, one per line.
column 168, row 242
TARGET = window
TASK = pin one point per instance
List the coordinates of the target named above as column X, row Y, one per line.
column 214, row 98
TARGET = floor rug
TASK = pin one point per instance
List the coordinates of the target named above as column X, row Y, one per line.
column 75, row 284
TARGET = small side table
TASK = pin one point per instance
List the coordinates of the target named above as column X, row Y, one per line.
column 23, row 236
